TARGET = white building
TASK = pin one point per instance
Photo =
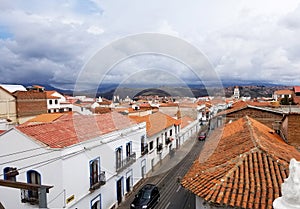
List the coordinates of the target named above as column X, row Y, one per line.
column 56, row 102
column 91, row 161
column 236, row 92
column 162, row 131
column 188, row 128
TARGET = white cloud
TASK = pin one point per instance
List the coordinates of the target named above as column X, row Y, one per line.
column 243, row 39
column 95, row 30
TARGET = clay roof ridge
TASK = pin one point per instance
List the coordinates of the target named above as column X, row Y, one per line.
column 259, row 147
column 251, row 131
column 265, row 109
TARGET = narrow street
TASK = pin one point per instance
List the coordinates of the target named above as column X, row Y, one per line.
column 173, row 196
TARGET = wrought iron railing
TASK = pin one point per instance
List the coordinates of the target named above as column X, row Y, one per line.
column 129, row 160
column 96, row 183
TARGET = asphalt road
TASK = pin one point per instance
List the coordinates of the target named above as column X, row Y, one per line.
column 172, row 195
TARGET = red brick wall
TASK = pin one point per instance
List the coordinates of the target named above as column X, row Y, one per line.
column 293, row 130
column 31, row 103
column 265, row 117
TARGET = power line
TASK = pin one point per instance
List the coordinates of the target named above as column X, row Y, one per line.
column 21, row 152
column 24, row 158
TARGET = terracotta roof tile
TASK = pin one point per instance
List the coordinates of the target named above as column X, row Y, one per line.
column 73, row 129
column 296, row 89
column 156, row 122
column 50, row 96
column 185, row 121
column 246, row 165
column 44, row 118
column 284, row 92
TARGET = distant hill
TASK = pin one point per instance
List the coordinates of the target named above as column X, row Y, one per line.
column 258, row 89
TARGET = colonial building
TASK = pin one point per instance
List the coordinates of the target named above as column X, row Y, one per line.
column 8, row 109
column 162, row 131
column 241, row 166
column 56, row 102
column 236, row 93
column 18, row 105
column 86, row 161
column 281, row 94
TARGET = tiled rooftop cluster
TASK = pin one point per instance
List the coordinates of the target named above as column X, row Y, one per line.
column 241, row 166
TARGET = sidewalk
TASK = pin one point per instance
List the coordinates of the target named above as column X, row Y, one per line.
column 156, row 175
column 173, row 158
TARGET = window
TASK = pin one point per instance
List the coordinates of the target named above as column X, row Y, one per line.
column 33, row 177
column 94, row 171
column 129, row 180
column 50, row 101
column 168, row 141
column 144, row 146
column 10, row 173
column 151, row 145
column 159, row 145
column 128, row 149
column 97, row 177
column 96, row 202
column 119, row 157
column 56, row 101
column 171, row 132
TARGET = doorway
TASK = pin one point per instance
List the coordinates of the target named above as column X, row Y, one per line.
column 120, row 190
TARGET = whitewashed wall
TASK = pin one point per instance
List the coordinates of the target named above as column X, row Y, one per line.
column 13, row 141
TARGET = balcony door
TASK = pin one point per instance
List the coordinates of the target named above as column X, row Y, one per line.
column 119, row 157
column 128, row 149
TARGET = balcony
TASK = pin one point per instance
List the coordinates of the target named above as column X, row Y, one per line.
column 144, row 149
column 159, row 148
column 29, row 196
column 121, row 165
column 97, row 183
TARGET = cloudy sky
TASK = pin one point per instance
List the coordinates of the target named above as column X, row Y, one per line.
column 51, row 41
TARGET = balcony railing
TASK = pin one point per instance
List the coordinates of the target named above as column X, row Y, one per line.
column 144, row 148
column 29, row 196
column 97, row 183
column 159, row 148
column 121, row 165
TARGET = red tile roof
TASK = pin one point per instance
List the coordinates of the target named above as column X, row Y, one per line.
column 243, row 168
column 44, row 118
column 168, row 104
column 284, row 92
column 185, row 121
column 50, row 96
column 73, row 129
column 156, row 122
column 297, row 89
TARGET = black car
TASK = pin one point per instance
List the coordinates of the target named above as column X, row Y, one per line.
column 146, row 198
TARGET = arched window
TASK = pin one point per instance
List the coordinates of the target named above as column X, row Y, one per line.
column 33, row 177
column 10, row 173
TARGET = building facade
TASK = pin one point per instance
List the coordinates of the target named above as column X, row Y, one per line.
column 89, row 163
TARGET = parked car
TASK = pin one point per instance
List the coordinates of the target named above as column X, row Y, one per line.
column 146, row 198
column 202, row 136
